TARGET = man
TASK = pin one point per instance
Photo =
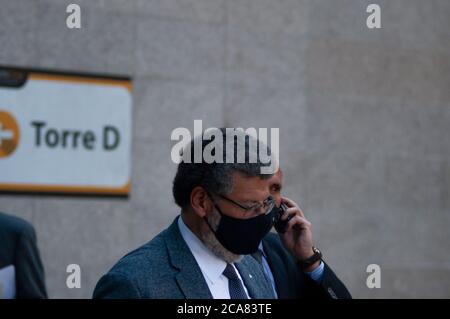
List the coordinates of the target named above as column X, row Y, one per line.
column 226, row 210
column 19, row 252
column 287, row 280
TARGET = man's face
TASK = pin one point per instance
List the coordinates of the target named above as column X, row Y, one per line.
column 247, row 191
column 275, row 186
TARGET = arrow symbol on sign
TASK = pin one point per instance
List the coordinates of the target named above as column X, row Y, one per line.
column 4, row 134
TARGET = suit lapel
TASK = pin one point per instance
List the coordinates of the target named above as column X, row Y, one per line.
column 256, row 283
column 277, row 267
column 193, row 285
column 189, row 278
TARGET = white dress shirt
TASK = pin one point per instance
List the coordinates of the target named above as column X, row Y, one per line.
column 211, row 266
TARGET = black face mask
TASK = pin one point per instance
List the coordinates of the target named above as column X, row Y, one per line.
column 242, row 236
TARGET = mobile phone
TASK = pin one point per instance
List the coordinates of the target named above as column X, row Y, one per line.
column 281, row 225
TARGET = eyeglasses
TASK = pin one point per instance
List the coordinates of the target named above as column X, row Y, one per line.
column 265, row 207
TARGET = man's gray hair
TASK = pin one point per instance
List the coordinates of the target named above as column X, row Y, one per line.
column 239, row 151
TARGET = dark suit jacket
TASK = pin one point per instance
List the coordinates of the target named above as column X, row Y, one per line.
column 165, row 268
column 18, row 248
column 291, row 282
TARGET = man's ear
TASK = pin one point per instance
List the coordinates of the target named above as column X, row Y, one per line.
column 200, row 202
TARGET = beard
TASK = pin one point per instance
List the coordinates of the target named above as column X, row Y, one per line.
column 209, row 239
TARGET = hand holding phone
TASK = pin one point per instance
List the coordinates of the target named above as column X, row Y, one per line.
column 281, row 225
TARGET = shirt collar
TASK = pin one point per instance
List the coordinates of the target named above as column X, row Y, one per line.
column 211, row 265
